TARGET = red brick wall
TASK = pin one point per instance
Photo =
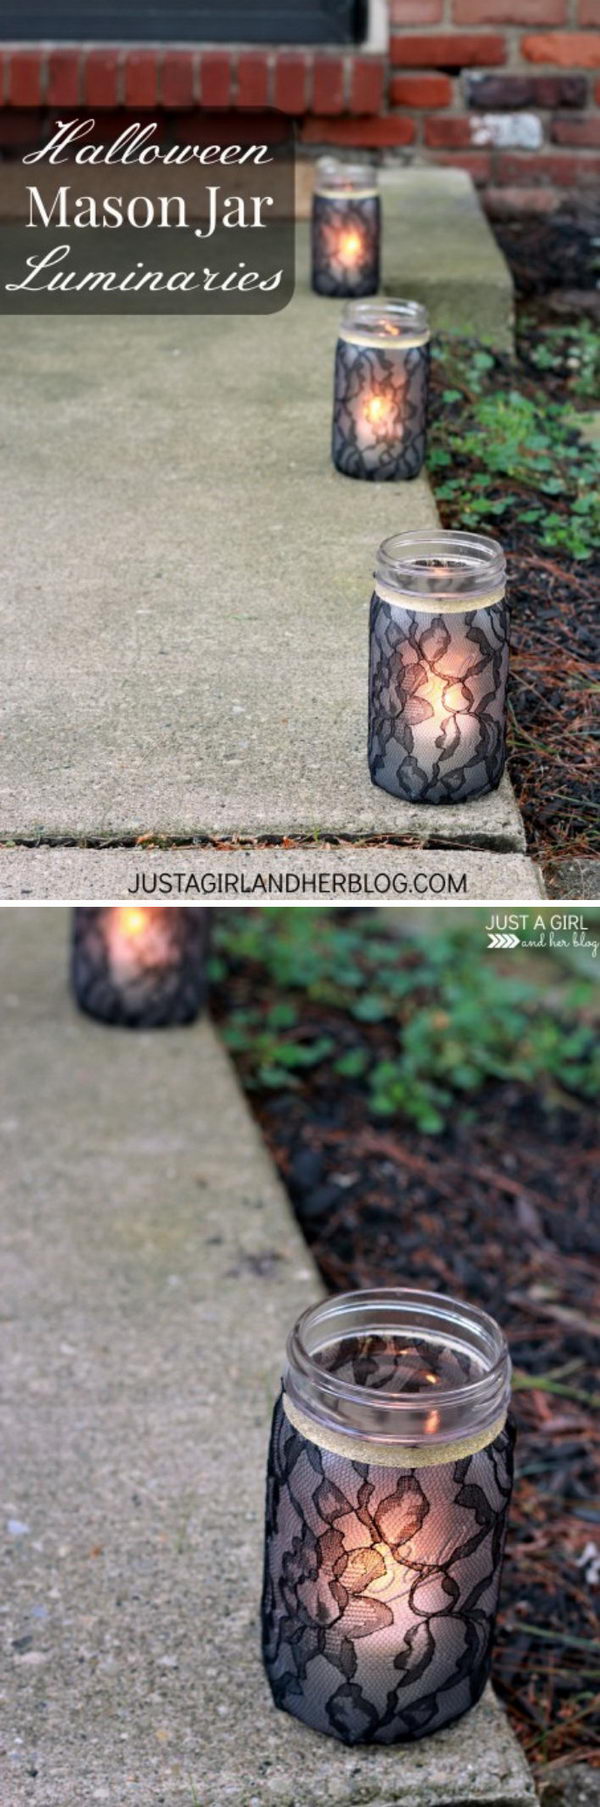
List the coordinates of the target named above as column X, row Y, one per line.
column 507, row 89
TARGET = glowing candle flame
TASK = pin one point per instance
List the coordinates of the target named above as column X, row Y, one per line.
column 377, row 410
column 350, row 246
column 395, row 1581
column 133, row 922
column 137, row 941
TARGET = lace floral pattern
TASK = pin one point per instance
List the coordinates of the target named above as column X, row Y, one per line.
column 380, row 1587
column 165, row 980
column 437, row 701
column 379, row 411
column 345, row 245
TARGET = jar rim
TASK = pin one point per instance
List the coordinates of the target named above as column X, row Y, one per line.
column 398, row 1416
column 374, row 315
column 334, row 173
column 441, row 564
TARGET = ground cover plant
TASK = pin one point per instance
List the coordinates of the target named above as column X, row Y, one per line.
column 508, row 453
column 430, row 1108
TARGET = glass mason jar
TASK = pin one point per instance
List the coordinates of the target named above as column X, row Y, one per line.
column 380, row 390
column 438, row 667
column 141, row 968
column 389, row 1481
column 346, row 229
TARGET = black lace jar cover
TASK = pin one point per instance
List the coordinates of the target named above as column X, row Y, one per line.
column 389, row 1481
column 380, row 390
column 142, row 968
column 438, row 667
column 346, row 230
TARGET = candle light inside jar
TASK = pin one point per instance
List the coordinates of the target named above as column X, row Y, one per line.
column 386, row 1516
column 380, row 390
column 351, row 246
column 438, row 667
column 345, row 232
column 140, row 967
column 138, row 940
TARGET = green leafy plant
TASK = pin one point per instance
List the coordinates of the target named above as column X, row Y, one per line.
column 420, row 1021
column 494, row 449
column 573, row 353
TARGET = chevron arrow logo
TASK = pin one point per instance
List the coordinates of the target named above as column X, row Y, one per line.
column 503, row 941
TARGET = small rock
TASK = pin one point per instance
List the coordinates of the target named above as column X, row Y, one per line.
column 16, row 1528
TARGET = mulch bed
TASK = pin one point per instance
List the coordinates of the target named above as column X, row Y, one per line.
column 553, row 743
column 555, row 642
column 550, row 254
column 498, row 1210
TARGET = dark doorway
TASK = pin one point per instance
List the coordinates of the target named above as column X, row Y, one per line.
column 188, row 21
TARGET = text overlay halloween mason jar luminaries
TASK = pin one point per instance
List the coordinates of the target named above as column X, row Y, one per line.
column 389, row 1481
column 439, row 627
column 142, row 968
column 346, row 229
column 380, row 390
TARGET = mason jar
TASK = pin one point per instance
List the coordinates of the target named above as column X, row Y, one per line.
column 438, row 667
column 389, row 1481
column 143, row 968
column 346, row 229
column 380, row 390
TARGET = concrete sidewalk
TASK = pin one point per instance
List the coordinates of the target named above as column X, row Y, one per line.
column 151, row 1270
column 186, row 582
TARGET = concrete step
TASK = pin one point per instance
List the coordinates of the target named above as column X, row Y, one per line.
column 324, row 874
column 151, row 1270
column 185, row 635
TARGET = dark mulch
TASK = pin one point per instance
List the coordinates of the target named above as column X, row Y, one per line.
column 499, row 1211
column 550, row 253
column 555, row 263
column 555, row 644
column 553, row 721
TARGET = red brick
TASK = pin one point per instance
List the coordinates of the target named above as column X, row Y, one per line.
column 537, row 167
column 504, row 203
column 141, row 78
column 367, row 80
column 570, row 49
column 25, row 78
column 421, row 91
column 510, row 12
column 215, row 78
column 585, row 132
column 253, row 79
column 448, row 50
column 329, row 84
column 392, row 129
column 416, row 12
column 446, row 132
column 101, row 78
column 589, row 12
column 495, row 93
column 63, row 78
column 291, row 82
column 177, row 78
column 478, row 164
